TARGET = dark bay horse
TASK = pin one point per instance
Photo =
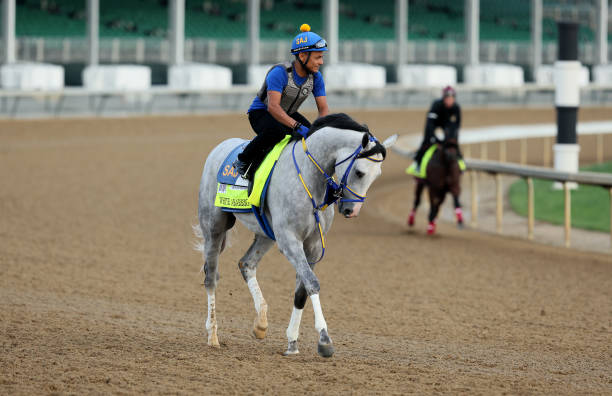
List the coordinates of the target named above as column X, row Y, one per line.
column 442, row 175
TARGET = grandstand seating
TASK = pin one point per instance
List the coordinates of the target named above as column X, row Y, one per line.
column 225, row 19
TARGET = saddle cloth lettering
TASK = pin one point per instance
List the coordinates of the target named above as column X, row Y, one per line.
column 232, row 190
column 422, row 174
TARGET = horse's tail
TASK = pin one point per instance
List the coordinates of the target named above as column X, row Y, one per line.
column 198, row 244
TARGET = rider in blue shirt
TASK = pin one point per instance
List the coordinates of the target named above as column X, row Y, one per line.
column 273, row 113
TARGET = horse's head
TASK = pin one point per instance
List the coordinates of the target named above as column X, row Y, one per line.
column 450, row 149
column 359, row 169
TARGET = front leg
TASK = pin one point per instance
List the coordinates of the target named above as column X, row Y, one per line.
column 313, row 250
column 307, row 285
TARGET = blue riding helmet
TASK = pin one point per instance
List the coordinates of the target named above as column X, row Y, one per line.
column 307, row 41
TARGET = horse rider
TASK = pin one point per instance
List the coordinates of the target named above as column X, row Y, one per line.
column 446, row 114
column 273, row 113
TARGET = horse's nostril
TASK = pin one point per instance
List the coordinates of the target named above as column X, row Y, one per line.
column 346, row 212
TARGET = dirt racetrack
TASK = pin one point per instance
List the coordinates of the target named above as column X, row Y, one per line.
column 100, row 291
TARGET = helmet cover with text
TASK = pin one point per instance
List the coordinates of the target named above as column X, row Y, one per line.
column 307, row 41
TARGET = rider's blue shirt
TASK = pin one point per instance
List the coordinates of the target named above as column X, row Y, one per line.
column 277, row 80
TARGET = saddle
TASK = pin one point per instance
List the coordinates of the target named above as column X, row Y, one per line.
column 422, row 174
column 238, row 195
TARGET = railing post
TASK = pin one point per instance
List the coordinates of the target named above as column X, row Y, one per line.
column 547, row 152
column 500, row 207
column 530, row 208
column 568, row 213
column 502, row 151
column 600, row 148
column 474, row 183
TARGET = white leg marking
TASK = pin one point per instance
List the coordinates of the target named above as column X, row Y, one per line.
column 318, row 313
column 258, row 299
column 293, row 330
column 211, row 320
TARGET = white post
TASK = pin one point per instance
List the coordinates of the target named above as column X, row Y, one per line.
column 8, row 30
column 401, row 32
column 93, row 29
column 472, row 29
column 536, row 35
column 253, row 31
column 602, row 32
column 176, row 23
column 330, row 13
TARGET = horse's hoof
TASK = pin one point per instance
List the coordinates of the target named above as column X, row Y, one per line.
column 431, row 229
column 259, row 333
column 292, row 349
column 260, row 327
column 325, row 347
column 213, row 341
column 325, row 350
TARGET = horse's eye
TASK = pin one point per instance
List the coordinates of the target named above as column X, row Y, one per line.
column 359, row 174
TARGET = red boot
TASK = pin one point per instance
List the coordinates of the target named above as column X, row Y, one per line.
column 411, row 218
column 431, row 228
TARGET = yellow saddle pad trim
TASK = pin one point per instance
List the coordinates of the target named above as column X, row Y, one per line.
column 237, row 197
column 411, row 170
column 262, row 173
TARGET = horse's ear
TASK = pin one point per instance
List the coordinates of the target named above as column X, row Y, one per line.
column 390, row 141
column 365, row 140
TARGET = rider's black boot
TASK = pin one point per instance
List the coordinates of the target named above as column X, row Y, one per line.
column 244, row 168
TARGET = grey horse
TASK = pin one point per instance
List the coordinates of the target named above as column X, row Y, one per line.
column 337, row 145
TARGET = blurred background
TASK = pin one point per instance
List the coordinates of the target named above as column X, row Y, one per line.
column 500, row 51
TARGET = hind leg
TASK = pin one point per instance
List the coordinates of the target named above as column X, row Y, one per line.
column 458, row 211
column 420, row 185
column 455, row 191
column 248, row 268
column 214, row 233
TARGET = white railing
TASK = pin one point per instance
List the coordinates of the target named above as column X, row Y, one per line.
column 529, row 173
column 77, row 101
column 475, row 166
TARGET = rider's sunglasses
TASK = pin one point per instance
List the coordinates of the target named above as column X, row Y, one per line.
column 321, row 44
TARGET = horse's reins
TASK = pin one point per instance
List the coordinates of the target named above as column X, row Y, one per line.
column 333, row 191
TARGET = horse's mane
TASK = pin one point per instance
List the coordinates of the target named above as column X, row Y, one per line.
column 340, row 121
column 344, row 121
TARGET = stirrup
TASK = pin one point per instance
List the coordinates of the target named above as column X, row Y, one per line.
column 243, row 168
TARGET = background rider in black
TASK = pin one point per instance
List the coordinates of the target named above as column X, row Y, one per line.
column 446, row 114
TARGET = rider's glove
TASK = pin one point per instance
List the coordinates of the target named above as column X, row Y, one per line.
column 300, row 131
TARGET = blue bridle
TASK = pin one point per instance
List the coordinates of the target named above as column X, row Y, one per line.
column 333, row 191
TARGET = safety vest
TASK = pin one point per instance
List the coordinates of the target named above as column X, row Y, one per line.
column 293, row 95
